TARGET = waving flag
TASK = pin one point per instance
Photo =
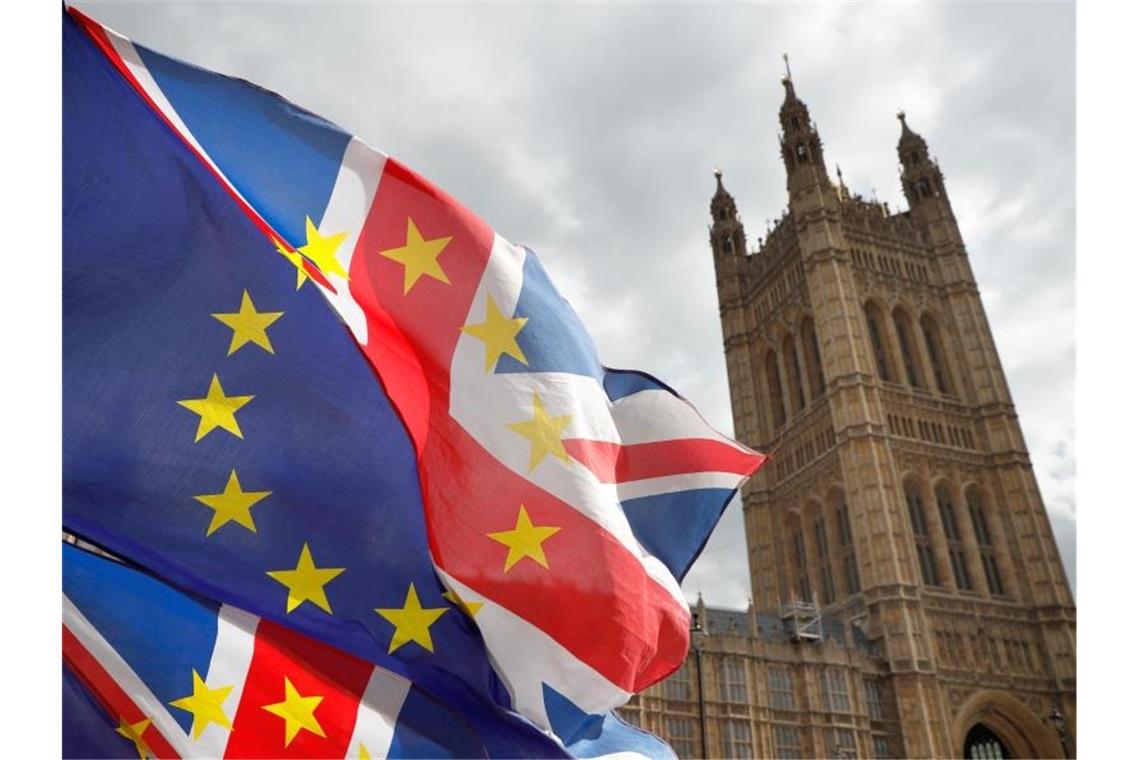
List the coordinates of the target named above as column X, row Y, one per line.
column 271, row 474
column 223, row 431
column 179, row 676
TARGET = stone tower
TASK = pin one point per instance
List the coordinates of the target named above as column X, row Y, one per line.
column 900, row 498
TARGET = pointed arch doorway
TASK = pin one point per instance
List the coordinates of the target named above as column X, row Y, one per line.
column 993, row 725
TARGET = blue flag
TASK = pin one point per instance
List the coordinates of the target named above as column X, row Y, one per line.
column 300, row 503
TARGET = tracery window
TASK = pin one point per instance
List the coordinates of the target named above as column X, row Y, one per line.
column 679, row 685
column 775, row 390
column 803, row 581
column 985, row 541
column 680, row 733
column 813, row 358
column 781, row 692
column 874, row 699
column 789, row 744
column 827, row 585
column 737, row 737
column 954, row 542
column 847, row 548
column 733, row 682
column 875, row 332
column 833, row 690
column 906, row 348
column 795, row 382
column 923, row 545
column 933, row 340
column 841, row 742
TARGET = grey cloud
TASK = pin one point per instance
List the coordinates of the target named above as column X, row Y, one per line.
column 589, row 133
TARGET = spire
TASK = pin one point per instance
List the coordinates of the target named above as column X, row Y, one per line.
column 842, row 189
column 791, row 102
column 909, row 141
column 902, row 118
column 789, row 88
column 722, row 199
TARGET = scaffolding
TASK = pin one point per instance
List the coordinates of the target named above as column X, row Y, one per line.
column 806, row 621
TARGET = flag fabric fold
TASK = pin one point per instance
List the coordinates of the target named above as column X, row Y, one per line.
column 302, row 380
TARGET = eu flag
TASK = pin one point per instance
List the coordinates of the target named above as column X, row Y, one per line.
column 221, row 426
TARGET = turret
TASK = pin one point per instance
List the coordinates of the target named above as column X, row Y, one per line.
column 800, row 145
column 930, row 206
column 921, row 177
column 726, row 234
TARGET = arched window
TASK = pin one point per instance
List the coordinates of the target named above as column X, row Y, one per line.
column 923, row 545
column 878, row 348
column 733, row 680
column 775, row 390
column 727, row 245
column 803, row 579
column 934, row 349
column 823, row 557
column 985, row 540
column 984, row 744
column 906, row 347
column 814, row 360
column 795, row 382
column 846, row 546
column 954, row 542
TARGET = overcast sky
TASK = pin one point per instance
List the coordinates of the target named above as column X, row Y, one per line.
column 590, row 132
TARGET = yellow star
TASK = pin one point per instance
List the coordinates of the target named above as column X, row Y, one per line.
column 297, row 712
column 498, row 334
column 134, row 732
column 412, row 621
column 306, row 582
column 248, row 324
column 205, row 704
column 364, row 753
column 321, row 249
column 525, row 540
column 216, row 410
column 419, row 257
column 232, row 504
column 471, row 608
column 294, row 259
column 544, row 433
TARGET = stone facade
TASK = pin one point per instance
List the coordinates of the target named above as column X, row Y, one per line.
column 900, row 501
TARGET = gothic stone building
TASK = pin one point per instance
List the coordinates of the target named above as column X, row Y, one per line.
column 909, row 599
